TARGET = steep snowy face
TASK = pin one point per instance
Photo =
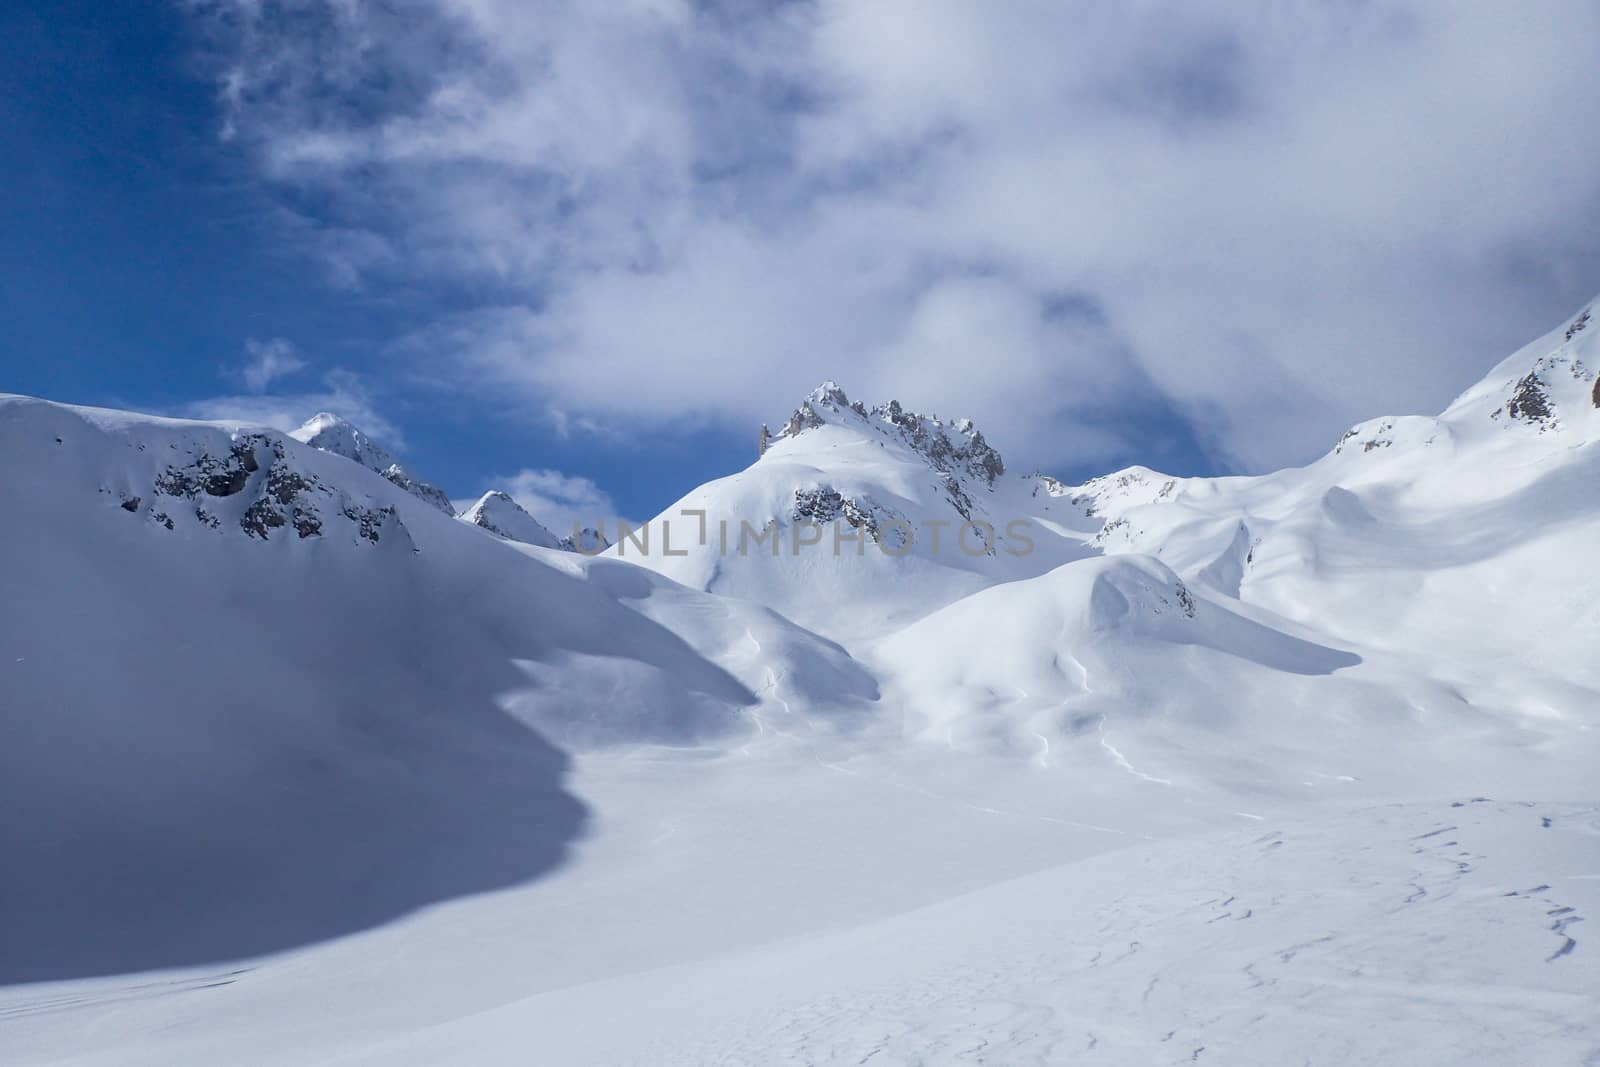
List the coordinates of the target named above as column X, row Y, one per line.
column 496, row 512
column 1549, row 387
column 330, row 433
column 856, row 519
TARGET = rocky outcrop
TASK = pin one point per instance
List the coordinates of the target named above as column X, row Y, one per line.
column 1530, row 401
column 1578, row 324
column 825, row 504
column 256, row 486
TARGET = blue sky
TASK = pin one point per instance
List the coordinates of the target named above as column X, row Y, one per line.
column 586, row 249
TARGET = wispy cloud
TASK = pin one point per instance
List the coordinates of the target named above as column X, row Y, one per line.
column 339, row 391
column 1269, row 221
column 267, row 361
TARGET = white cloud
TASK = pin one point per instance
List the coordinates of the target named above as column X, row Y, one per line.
column 267, row 361
column 1273, row 220
column 342, row 393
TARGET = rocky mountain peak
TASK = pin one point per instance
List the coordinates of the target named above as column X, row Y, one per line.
column 956, row 449
column 498, row 513
column 331, row 433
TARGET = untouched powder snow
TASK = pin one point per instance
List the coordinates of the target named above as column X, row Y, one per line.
column 1259, row 770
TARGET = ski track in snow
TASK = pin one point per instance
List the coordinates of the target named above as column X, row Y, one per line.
column 1122, row 761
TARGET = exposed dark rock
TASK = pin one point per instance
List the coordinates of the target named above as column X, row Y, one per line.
column 211, row 475
column 804, row 418
column 132, row 503
column 1186, row 600
column 1529, row 401
column 818, row 505
column 1578, row 325
column 825, row 504
column 958, row 449
column 369, row 521
column 261, row 517
column 432, row 494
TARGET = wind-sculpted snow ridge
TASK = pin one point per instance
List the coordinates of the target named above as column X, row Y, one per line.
column 330, row 433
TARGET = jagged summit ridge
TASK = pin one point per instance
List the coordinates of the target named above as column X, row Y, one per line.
column 330, row 433
column 955, row 448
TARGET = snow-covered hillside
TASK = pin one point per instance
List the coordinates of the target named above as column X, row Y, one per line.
column 856, row 521
column 1278, row 769
column 1462, row 541
column 257, row 695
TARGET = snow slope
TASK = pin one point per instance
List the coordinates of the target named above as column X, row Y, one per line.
column 257, row 695
column 1291, row 768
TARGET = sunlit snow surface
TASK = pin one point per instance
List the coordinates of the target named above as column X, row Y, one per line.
column 1291, row 769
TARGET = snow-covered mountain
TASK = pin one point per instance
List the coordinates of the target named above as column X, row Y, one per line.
column 1457, row 539
column 330, row 433
column 874, row 751
column 854, row 521
column 496, row 512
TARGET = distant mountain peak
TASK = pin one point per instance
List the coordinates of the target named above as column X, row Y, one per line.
column 498, row 513
column 956, row 448
column 331, row 433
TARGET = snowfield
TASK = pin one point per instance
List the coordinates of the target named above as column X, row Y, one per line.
column 296, row 766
